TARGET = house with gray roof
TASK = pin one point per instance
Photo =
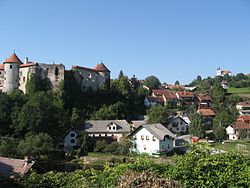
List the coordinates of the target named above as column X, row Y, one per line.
column 114, row 129
column 153, row 139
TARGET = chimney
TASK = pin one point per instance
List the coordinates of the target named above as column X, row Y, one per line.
column 26, row 60
column 26, row 161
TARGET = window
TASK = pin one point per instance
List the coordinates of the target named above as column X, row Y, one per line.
column 135, row 138
column 153, row 138
column 0, row 72
column 10, row 66
column 177, row 128
column 142, row 137
column 24, row 79
column 89, row 75
column 147, row 137
column 109, row 128
column 181, row 122
column 56, row 71
column 106, row 134
column 20, row 73
column 100, row 135
column 72, row 141
column 114, row 128
column 72, row 134
column 135, row 146
column 182, row 128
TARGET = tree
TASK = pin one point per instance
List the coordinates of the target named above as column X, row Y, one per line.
column 77, row 117
column 36, row 145
column 219, row 131
column 197, row 127
column 83, row 142
column 157, row 114
column 152, row 82
column 177, row 83
column 100, row 145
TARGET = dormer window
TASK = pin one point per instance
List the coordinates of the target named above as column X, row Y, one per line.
column 10, row 66
column 113, row 127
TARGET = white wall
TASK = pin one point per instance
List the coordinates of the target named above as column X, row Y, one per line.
column 181, row 126
column 145, row 146
column 70, row 140
column 11, row 81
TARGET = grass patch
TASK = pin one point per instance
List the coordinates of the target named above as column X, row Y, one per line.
column 234, row 90
column 232, row 146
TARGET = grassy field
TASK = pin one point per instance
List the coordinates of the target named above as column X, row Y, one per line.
column 242, row 92
column 232, row 146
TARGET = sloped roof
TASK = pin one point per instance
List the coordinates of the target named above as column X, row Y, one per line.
column 158, row 130
column 83, row 68
column 204, row 97
column 184, row 94
column 137, row 123
column 158, row 92
column 169, row 95
column 100, row 126
column 13, row 59
column 246, row 103
column 244, row 118
column 1, row 66
column 10, row 166
column 101, row 68
column 206, row 112
column 241, row 125
column 28, row 64
column 172, row 118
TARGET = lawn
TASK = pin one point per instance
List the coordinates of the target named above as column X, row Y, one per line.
column 232, row 146
column 242, row 92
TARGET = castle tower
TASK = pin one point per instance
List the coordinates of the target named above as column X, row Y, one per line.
column 104, row 73
column 11, row 77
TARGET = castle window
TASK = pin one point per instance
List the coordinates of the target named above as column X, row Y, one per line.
column 24, row 79
column 89, row 75
column 56, row 71
column 10, row 66
column 20, row 73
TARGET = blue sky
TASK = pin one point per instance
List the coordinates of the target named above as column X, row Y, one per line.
column 173, row 40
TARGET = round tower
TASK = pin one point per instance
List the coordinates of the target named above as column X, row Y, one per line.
column 104, row 74
column 11, row 76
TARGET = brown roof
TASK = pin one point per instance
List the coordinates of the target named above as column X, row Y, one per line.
column 184, row 94
column 169, row 95
column 28, row 64
column 226, row 72
column 101, row 68
column 13, row 59
column 244, row 118
column 206, row 112
column 158, row 92
column 241, row 125
column 204, row 97
column 246, row 103
column 83, row 68
column 10, row 166
column 1, row 66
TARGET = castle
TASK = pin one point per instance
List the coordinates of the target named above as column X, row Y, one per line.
column 14, row 74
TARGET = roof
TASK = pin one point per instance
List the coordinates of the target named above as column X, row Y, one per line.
column 100, row 126
column 226, row 72
column 157, row 130
column 13, row 59
column 206, row 112
column 10, row 166
column 241, row 125
column 83, row 68
column 169, row 95
column 246, row 103
column 137, row 123
column 101, row 68
column 1, row 66
column 28, row 64
column 204, row 97
column 184, row 94
column 244, row 118
column 171, row 119
column 158, row 92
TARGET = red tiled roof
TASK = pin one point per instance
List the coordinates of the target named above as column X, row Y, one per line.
column 184, row 94
column 28, row 64
column 13, row 59
column 169, row 95
column 246, row 103
column 101, row 68
column 1, row 66
column 244, row 118
column 8, row 166
column 204, row 97
column 241, row 125
column 226, row 72
column 83, row 68
column 158, row 92
column 206, row 112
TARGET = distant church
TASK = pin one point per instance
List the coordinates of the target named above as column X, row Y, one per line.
column 220, row 72
column 14, row 74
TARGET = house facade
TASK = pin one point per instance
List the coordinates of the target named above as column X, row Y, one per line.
column 107, row 129
column 153, row 139
column 70, row 141
column 243, row 108
column 177, row 125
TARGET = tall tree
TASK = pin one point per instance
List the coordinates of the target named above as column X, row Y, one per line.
column 157, row 114
column 197, row 127
column 152, row 82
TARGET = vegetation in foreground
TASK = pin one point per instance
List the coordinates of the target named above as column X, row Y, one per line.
column 198, row 168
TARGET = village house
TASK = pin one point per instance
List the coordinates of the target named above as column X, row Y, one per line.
column 151, row 101
column 242, row 125
column 208, row 116
column 177, row 125
column 204, row 101
column 184, row 97
column 243, row 108
column 111, row 130
column 153, row 139
column 170, row 98
column 10, row 168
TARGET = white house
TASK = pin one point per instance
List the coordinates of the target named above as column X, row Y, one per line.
column 177, row 124
column 231, row 132
column 243, row 108
column 154, row 139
